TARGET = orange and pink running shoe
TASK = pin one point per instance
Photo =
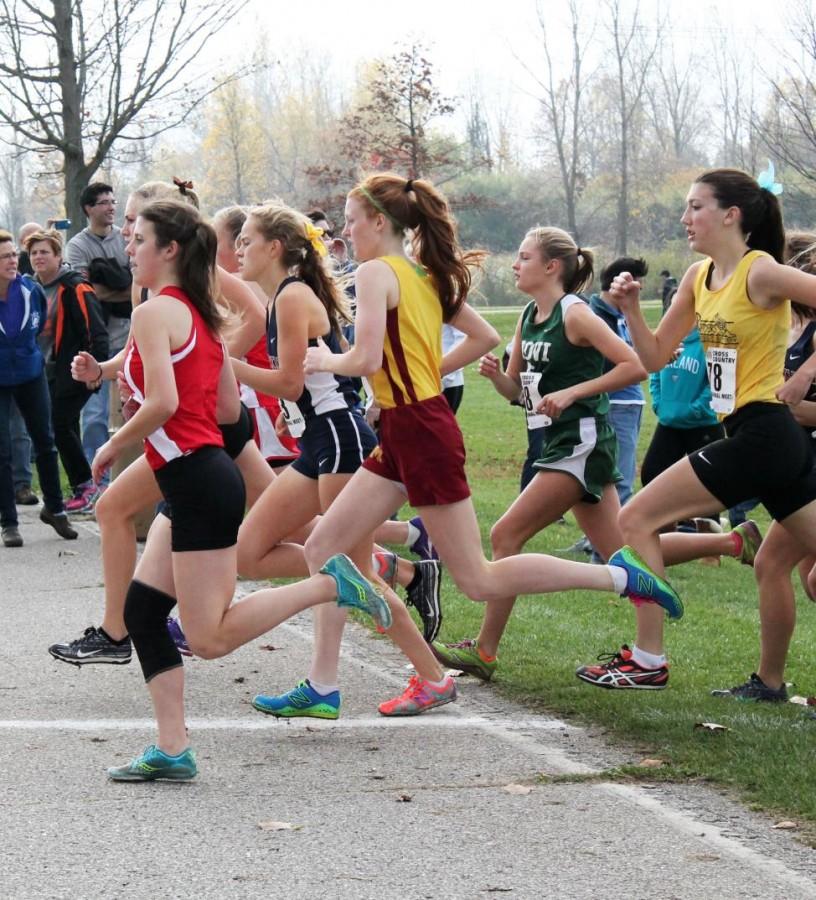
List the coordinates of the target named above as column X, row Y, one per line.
column 419, row 696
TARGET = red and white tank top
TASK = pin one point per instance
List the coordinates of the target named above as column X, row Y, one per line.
column 270, row 445
column 197, row 367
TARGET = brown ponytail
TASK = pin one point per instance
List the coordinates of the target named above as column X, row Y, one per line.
column 417, row 205
column 761, row 213
column 174, row 220
column 278, row 222
column 576, row 263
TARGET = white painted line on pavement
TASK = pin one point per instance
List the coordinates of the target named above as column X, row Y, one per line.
column 269, row 723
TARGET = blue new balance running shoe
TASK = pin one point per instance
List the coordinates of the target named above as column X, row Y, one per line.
column 302, row 700
column 154, row 764
column 644, row 584
column 355, row 591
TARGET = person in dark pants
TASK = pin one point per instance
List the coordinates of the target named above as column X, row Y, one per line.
column 73, row 322
column 22, row 378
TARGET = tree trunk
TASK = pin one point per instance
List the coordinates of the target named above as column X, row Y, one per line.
column 76, row 172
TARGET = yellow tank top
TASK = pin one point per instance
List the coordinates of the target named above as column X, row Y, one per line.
column 412, row 352
column 745, row 345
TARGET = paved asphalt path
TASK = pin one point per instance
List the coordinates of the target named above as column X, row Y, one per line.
column 379, row 808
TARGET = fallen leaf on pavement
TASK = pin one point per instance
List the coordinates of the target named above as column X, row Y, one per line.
column 404, row 798
column 520, row 789
column 278, row 826
column 785, row 826
column 269, row 647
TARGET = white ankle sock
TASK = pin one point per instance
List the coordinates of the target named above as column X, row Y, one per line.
column 647, row 660
column 321, row 688
column 619, row 577
column 413, row 534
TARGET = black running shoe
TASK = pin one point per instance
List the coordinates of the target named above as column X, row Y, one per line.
column 424, row 595
column 753, row 690
column 93, row 647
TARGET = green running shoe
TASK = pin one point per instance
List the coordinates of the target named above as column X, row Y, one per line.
column 154, row 764
column 355, row 591
column 465, row 657
column 644, row 584
column 302, row 700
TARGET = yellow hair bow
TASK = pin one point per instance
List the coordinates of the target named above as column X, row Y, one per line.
column 314, row 235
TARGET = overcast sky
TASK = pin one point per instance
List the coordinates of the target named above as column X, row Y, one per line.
column 494, row 44
column 466, row 37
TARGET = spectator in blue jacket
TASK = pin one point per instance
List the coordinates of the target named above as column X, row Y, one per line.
column 22, row 379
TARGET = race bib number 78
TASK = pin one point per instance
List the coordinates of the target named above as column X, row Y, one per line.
column 721, row 363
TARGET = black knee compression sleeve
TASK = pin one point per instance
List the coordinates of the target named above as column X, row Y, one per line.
column 146, row 611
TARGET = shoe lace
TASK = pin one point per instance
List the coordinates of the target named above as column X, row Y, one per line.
column 414, row 688
column 614, row 657
column 90, row 632
column 466, row 644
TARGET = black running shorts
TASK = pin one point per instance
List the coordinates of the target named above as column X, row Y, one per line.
column 765, row 454
column 238, row 434
column 206, row 499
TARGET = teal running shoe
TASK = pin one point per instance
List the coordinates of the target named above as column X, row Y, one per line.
column 302, row 700
column 644, row 584
column 355, row 591
column 154, row 764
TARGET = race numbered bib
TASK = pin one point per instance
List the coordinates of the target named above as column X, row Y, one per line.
column 722, row 378
column 530, row 398
column 294, row 418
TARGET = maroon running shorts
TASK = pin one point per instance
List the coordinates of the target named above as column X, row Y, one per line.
column 421, row 447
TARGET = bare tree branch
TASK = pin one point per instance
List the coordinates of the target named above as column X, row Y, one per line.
column 80, row 102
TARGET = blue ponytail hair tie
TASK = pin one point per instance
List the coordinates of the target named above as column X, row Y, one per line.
column 765, row 180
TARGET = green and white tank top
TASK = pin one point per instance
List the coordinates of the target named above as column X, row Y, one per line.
column 552, row 363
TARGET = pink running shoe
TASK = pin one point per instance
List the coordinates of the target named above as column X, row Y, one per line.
column 419, row 696
column 83, row 500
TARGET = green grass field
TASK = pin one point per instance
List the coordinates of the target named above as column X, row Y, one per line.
column 766, row 756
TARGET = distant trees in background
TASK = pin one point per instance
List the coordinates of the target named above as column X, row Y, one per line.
column 630, row 106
